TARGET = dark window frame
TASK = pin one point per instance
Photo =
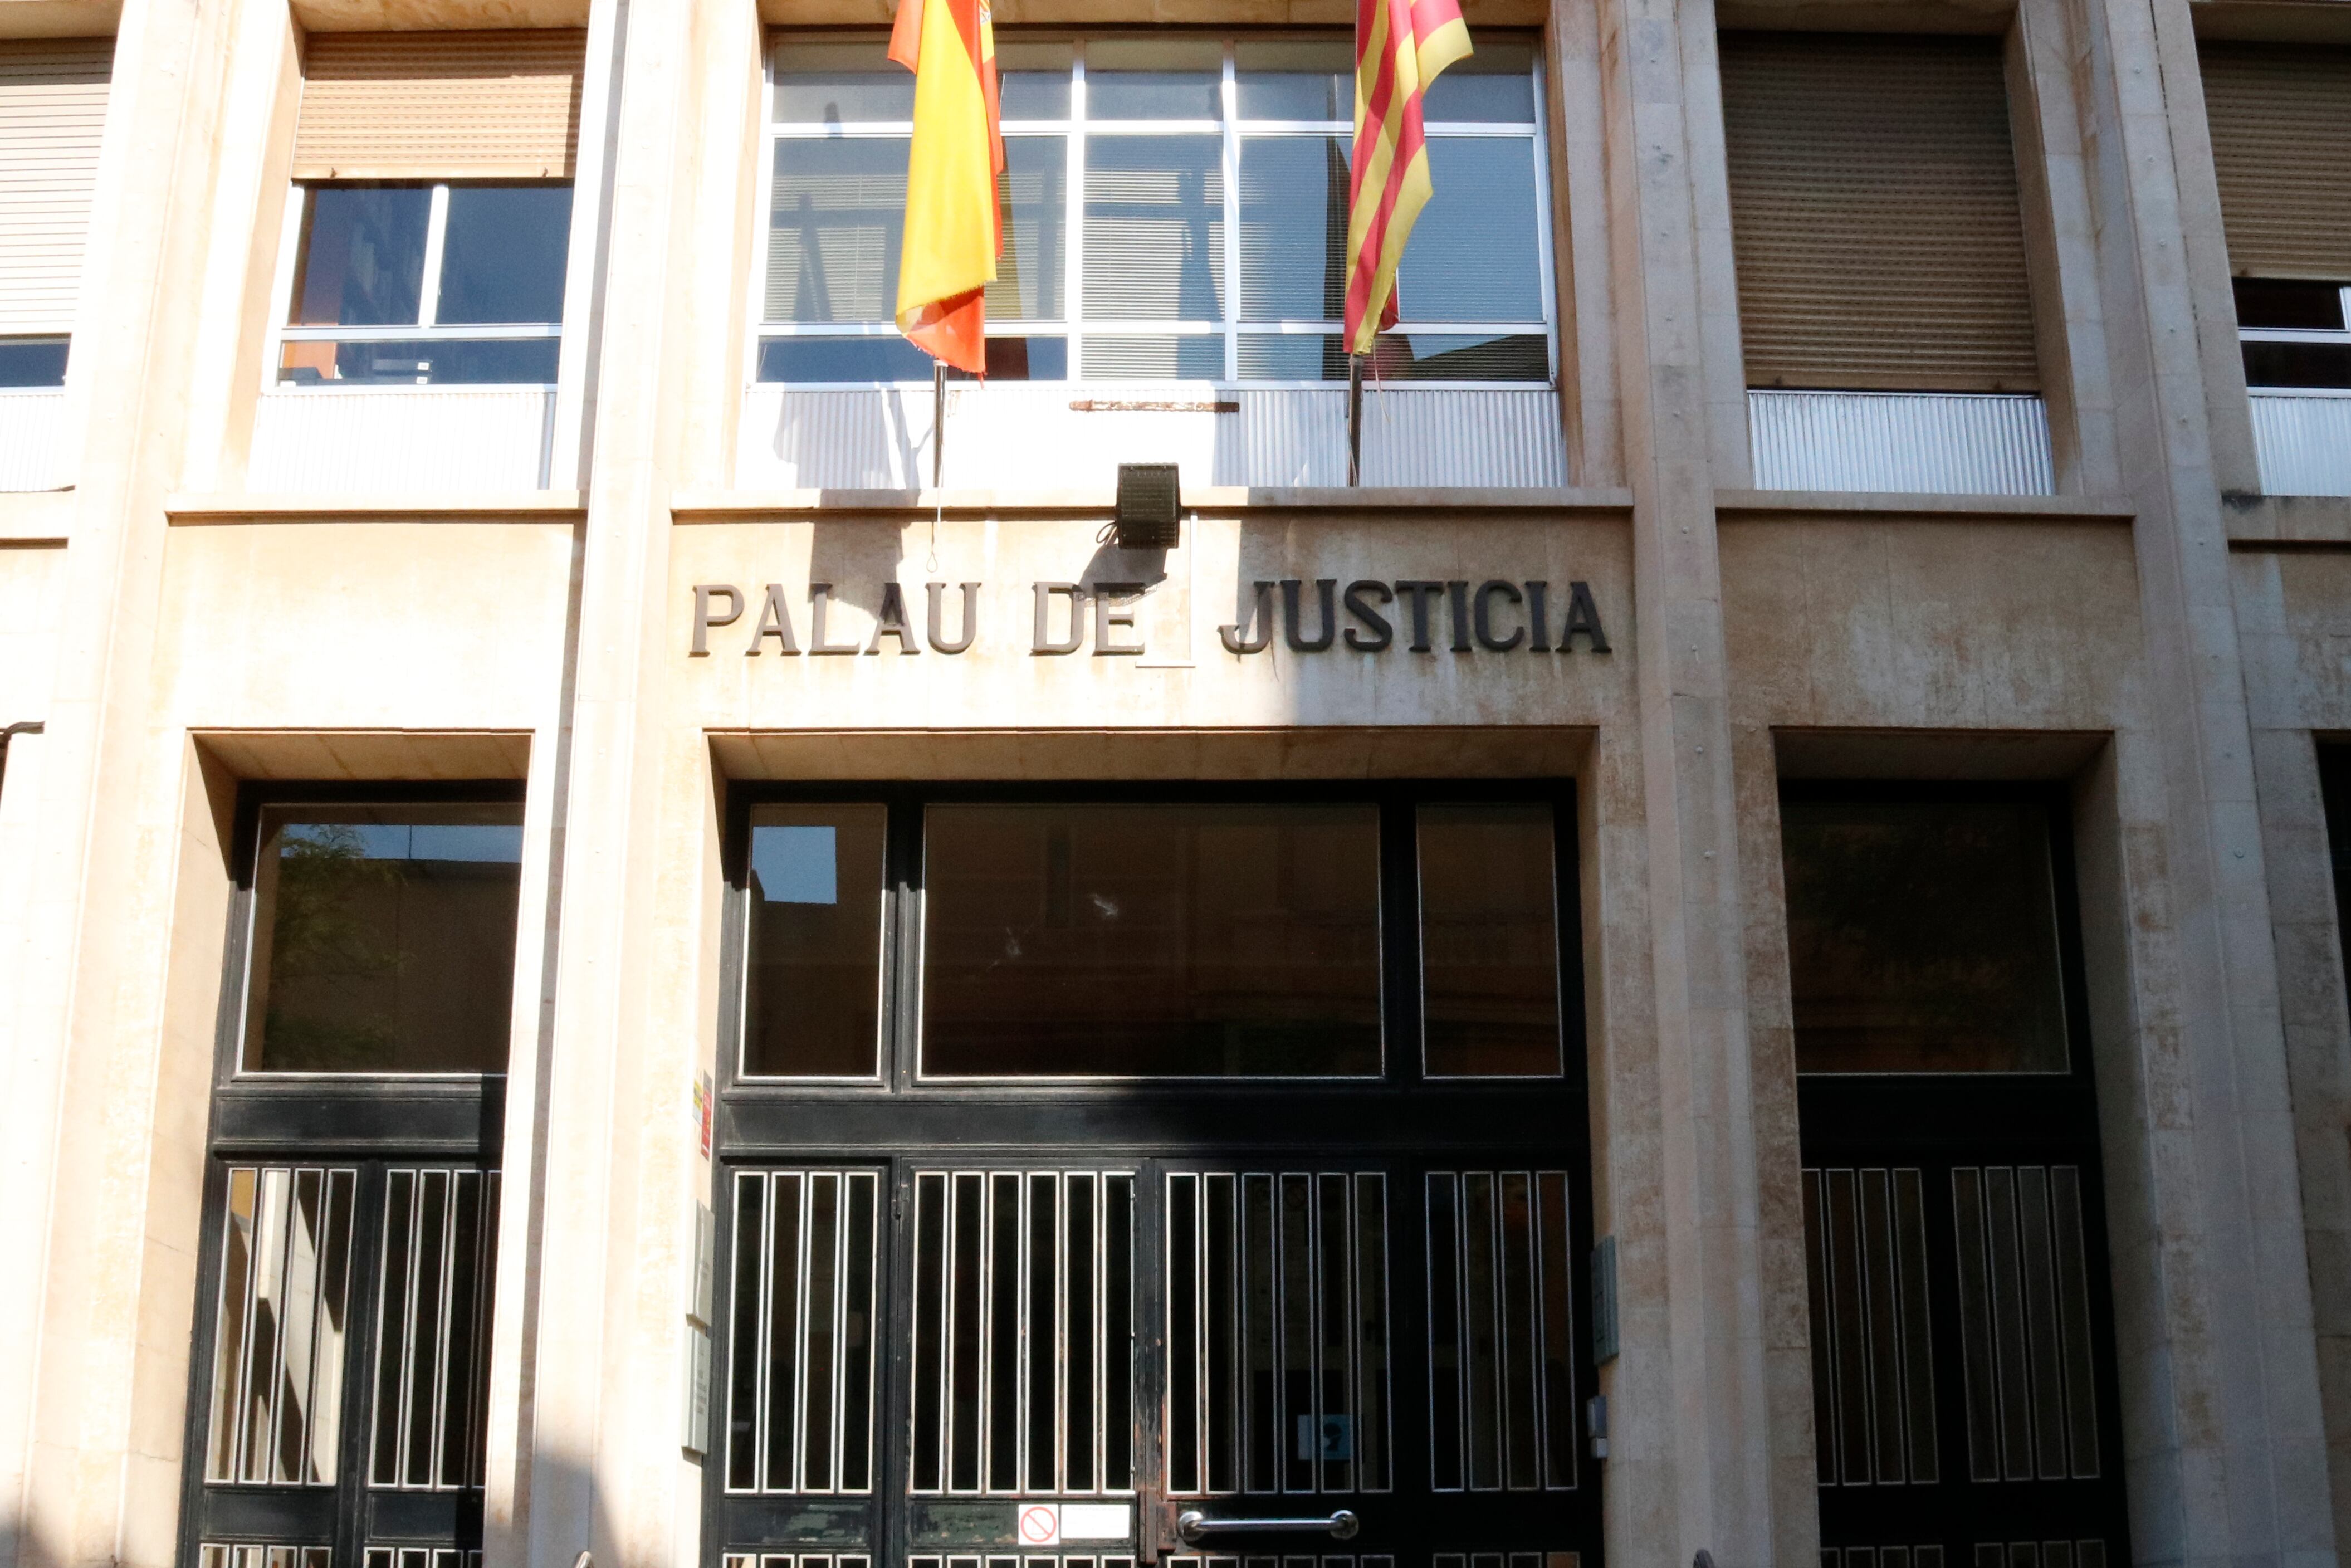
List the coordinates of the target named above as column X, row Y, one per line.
column 1400, row 959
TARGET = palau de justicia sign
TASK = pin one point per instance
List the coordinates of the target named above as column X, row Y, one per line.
column 1417, row 615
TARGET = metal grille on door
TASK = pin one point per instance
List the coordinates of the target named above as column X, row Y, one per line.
column 440, row 1235
column 277, row 1359
column 1024, row 1332
column 1278, row 1360
column 2024, row 1322
column 1873, row 1363
column 801, row 1406
column 1502, row 1342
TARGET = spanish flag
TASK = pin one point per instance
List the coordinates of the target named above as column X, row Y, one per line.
column 953, row 233
column 1400, row 47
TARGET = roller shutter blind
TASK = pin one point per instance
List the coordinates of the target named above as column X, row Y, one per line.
column 52, row 115
column 2281, row 118
column 402, row 106
column 1874, row 214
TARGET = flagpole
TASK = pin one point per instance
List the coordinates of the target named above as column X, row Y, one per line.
column 938, row 420
column 1354, row 421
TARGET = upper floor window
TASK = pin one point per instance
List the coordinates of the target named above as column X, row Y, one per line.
column 52, row 112
column 1178, row 210
column 420, row 283
column 2295, row 333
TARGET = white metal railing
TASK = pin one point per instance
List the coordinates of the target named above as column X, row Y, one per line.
column 32, row 439
column 2303, row 440
column 1059, row 434
column 402, row 439
column 1961, row 443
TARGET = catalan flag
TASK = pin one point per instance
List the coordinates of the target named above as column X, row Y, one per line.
column 1400, row 47
column 953, row 231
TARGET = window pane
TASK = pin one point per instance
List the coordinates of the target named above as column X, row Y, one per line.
column 1489, row 942
column 502, row 258
column 813, row 985
column 837, row 220
column 1024, row 360
column 527, row 362
column 1922, row 937
column 33, row 361
column 362, row 255
column 1292, row 357
column 1296, row 80
column 889, row 359
column 2289, row 302
column 1473, row 255
column 1155, row 228
column 841, row 84
column 1496, row 84
column 1293, row 228
column 1034, row 188
column 1032, row 80
column 383, row 938
column 1453, row 357
column 1155, row 358
column 1155, row 79
column 2298, row 364
column 1151, row 940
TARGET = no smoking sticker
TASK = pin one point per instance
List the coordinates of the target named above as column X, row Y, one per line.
column 1040, row 1524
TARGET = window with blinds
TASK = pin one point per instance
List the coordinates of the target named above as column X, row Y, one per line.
column 1177, row 210
column 2281, row 122
column 432, row 222
column 1875, row 214
column 52, row 114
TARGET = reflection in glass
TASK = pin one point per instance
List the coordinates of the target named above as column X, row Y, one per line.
column 502, row 258
column 837, row 216
column 806, row 360
column 362, row 255
column 383, row 938
column 32, row 362
column 1296, row 79
column 1156, row 358
column 1155, row 234
column 1151, row 940
column 813, row 1000
column 1488, row 941
column 1293, row 228
column 1474, row 255
column 422, row 361
column 1496, row 86
column 841, row 83
column 1032, row 80
column 1033, row 192
column 1155, row 79
column 1922, row 937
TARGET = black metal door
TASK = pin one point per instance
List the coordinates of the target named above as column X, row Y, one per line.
column 1296, row 1325
column 347, row 1353
column 1130, row 1359
column 1963, row 1368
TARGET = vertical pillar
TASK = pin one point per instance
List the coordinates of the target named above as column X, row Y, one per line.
column 600, row 1465
column 2222, row 1422
column 95, row 1301
column 1691, row 1467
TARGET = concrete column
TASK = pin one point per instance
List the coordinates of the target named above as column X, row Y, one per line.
column 1692, row 1460
column 2286, row 701
column 98, row 1229
column 2222, row 1410
column 605, row 1468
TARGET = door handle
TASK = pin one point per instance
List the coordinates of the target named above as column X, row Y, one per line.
column 1342, row 1524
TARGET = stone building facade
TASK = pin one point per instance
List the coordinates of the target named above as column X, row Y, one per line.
column 1615, row 591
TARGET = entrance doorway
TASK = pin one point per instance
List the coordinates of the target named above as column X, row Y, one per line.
column 1108, row 1179
column 349, row 1246
column 1965, row 1414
